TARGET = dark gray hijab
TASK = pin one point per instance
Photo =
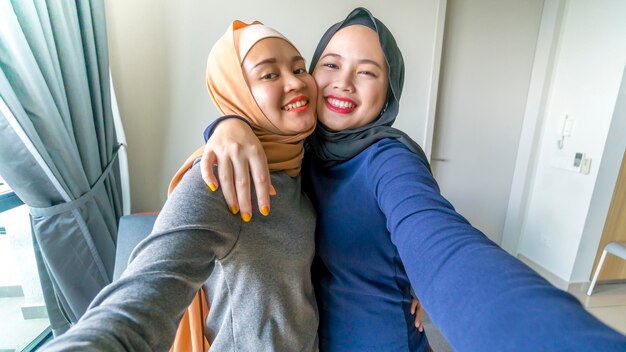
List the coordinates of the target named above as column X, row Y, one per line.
column 334, row 147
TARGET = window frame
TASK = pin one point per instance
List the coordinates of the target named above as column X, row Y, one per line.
column 8, row 201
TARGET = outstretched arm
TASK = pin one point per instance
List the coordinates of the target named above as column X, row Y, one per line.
column 141, row 310
column 481, row 298
column 236, row 150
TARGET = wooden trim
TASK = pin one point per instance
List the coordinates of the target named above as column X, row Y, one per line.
column 614, row 230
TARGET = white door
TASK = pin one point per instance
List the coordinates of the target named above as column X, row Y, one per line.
column 487, row 59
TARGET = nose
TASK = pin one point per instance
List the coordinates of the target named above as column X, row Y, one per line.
column 344, row 82
column 294, row 82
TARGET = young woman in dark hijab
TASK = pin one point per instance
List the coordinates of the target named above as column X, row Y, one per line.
column 383, row 227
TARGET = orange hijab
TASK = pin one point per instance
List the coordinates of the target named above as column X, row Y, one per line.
column 231, row 95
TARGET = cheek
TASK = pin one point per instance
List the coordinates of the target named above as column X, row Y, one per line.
column 321, row 80
column 264, row 99
column 377, row 95
column 311, row 88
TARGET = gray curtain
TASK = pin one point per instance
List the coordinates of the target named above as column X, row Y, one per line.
column 58, row 144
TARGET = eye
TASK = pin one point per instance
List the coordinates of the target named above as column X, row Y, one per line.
column 269, row 76
column 368, row 73
column 299, row 71
column 330, row 65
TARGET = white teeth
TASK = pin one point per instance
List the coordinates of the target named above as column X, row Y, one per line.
column 295, row 105
column 340, row 103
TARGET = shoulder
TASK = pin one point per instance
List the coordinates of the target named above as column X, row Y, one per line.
column 391, row 164
column 391, row 153
column 388, row 146
column 193, row 204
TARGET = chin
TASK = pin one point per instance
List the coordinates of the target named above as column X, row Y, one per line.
column 309, row 123
column 333, row 123
column 333, row 126
column 301, row 128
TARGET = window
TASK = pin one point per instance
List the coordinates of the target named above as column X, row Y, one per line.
column 24, row 323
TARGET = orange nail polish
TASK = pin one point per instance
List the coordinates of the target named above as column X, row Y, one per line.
column 233, row 209
column 212, row 187
column 265, row 210
column 246, row 217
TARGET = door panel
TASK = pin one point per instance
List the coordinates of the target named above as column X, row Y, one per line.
column 487, row 61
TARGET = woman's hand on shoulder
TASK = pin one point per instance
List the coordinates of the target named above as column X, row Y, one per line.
column 238, row 154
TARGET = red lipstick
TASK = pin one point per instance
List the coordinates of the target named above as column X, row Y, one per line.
column 295, row 100
column 351, row 104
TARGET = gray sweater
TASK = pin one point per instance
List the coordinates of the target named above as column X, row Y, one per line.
column 259, row 289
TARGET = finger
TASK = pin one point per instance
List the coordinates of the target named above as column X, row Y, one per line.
column 418, row 322
column 419, row 326
column 242, row 185
column 206, row 166
column 272, row 190
column 418, row 317
column 414, row 305
column 225, row 170
column 261, row 177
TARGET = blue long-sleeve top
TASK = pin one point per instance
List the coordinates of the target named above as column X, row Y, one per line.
column 383, row 226
column 362, row 288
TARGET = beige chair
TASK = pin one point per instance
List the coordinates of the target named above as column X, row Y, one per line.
column 617, row 249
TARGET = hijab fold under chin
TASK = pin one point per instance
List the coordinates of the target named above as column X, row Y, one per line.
column 333, row 147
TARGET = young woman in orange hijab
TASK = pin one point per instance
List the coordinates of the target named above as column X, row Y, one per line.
column 259, row 281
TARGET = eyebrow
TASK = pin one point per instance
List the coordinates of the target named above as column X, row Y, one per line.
column 272, row 60
column 361, row 61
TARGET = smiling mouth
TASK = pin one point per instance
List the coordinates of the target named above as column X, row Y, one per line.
column 342, row 104
column 339, row 105
column 297, row 106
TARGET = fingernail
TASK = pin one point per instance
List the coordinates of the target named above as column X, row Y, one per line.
column 246, row 217
column 265, row 210
column 212, row 187
column 272, row 191
column 233, row 209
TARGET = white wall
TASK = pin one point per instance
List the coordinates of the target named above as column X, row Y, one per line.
column 543, row 67
column 608, row 172
column 158, row 52
column 486, row 65
column 589, row 65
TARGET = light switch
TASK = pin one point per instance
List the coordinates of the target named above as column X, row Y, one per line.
column 586, row 166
